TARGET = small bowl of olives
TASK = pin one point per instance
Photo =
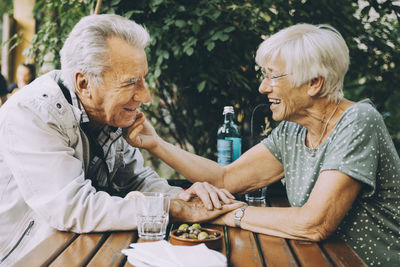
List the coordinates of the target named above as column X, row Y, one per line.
column 191, row 235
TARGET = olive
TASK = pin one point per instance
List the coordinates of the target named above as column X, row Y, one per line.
column 211, row 236
column 184, row 235
column 196, row 226
column 202, row 236
column 179, row 232
column 183, row 227
column 196, row 231
column 192, row 236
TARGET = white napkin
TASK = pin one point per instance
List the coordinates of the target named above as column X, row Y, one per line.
column 162, row 253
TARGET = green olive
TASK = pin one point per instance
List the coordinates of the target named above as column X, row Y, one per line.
column 185, row 235
column 183, row 227
column 192, row 236
column 202, row 236
column 196, row 226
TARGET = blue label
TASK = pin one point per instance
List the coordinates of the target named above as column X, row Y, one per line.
column 236, row 147
column 229, row 149
column 224, row 148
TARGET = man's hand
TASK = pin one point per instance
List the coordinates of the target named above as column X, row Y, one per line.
column 194, row 211
column 210, row 195
column 141, row 134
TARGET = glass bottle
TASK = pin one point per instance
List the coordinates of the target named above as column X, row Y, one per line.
column 229, row 143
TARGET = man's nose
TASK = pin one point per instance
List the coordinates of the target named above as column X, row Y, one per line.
column 265, row 87
column 143, row 94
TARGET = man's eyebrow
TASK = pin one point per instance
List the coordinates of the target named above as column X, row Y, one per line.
column 131, row 80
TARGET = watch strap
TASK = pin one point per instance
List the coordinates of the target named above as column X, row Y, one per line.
column 239, row 215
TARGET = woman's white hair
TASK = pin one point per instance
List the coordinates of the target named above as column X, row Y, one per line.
column 309, row 51
column 86, row 50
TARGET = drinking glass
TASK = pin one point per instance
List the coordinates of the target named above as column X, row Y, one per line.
column 152, row 213
column 257, row 198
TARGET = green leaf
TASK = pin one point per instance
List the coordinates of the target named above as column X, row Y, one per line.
column 195, row 28
column 180, row 23
column 157, row 72
column 189, row 51
column 224, row 37
column 210, row 46
column 201, row 86
column 229, row 29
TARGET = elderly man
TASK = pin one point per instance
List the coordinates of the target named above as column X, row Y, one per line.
column 64, row 163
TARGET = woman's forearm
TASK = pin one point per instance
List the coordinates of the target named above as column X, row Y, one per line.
column 193, row 167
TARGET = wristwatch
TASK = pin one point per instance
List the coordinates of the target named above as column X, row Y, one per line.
column 239, row 215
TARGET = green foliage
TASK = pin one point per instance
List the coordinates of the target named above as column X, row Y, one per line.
column 55, row 19
column 6, row 6
column 201, row 55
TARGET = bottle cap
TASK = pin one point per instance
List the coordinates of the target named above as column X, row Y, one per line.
column 228, row 109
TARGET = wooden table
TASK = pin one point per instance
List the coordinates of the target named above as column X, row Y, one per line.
column 242, row 248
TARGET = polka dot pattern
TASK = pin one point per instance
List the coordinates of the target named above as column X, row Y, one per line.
column 361, row 147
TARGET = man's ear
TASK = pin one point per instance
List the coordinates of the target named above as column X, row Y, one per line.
column 82, row 85
column 315, row 86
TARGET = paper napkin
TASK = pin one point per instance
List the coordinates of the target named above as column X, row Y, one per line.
column 162, row 253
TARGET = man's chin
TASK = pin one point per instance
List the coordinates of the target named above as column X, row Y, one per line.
column 125, row 124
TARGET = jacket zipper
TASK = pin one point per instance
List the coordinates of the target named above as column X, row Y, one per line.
column 19, row 240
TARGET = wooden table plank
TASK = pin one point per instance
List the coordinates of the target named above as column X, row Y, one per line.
column 81, row 250
column 244, row 251
column 340, row 253
column 47, row 250
column 309, row 253
column 276, row 251
column 110, row 252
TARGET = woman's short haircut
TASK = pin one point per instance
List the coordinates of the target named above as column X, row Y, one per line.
column 309, row 51
column 86, row 50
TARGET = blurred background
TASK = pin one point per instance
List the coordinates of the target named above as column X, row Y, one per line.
column 201, row 56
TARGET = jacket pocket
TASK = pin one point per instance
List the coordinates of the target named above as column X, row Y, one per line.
column 26, row 232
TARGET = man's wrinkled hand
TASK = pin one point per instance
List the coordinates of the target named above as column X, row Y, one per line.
column 211, row 196
column 195, row 211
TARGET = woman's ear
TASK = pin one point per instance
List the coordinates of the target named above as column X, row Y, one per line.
column 315, row 86
column 82, row 85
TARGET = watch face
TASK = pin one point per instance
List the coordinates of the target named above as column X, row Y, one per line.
column 239, row 213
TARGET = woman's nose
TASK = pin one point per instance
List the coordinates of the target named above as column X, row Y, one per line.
column 265, row 87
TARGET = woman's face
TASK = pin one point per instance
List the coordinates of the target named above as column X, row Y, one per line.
column 287, row 103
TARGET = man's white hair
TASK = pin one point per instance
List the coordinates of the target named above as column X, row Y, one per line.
column 86, row 50
column 309, row 51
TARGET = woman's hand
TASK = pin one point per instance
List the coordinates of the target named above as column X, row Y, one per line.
column 210, row 195
column 141, row 134
column 227, row 219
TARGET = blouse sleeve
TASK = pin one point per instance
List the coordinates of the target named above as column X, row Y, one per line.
column 355, row 148
column 274, row 141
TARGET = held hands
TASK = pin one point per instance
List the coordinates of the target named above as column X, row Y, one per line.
column 194, row 210
column 210, row 195
column 141, row 134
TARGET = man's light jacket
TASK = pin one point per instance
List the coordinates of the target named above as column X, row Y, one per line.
column 44, row 155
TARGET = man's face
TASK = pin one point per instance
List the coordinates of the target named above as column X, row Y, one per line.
column 124, row 89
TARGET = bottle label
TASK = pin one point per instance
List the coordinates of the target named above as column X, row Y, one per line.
column 236, row 147
column 224, row 148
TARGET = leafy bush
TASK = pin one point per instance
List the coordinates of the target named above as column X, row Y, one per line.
column 201, row 56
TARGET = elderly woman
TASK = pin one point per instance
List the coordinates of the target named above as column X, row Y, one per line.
column 341, row 168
